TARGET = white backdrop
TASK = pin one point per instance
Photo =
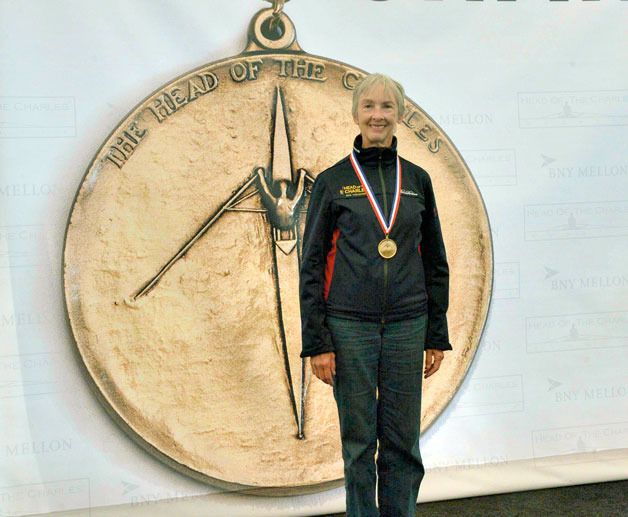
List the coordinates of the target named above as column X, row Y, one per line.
column 533, row 93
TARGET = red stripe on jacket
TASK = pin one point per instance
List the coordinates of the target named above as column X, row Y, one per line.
column 329, row 264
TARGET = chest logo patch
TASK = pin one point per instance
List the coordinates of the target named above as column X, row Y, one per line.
column 352, row 190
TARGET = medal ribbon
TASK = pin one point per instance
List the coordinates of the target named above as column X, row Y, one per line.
column 386, row 226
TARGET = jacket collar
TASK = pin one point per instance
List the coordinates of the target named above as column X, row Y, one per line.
column 370, row 155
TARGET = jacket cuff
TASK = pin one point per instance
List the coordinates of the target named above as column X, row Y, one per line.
column 437, row 336
column 321, row 346
column 437, row 346
column 317, row 351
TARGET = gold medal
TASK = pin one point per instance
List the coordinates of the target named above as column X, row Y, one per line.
column 387, row 248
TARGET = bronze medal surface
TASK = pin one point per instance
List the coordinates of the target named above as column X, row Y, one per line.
column 387, row 248
column 182, row 254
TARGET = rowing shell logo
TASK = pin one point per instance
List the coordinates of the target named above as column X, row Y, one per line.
column 282, row 192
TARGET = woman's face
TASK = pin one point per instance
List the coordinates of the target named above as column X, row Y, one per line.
column 377, row 117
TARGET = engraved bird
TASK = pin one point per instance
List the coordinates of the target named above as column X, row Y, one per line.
column 284, row 203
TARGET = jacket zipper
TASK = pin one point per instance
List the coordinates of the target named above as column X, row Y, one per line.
column 384, row 196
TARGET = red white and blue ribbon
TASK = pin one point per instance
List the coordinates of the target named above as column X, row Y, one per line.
column 386, row 225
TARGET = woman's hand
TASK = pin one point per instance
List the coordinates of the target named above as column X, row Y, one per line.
column 324, row 367
column 433, row 359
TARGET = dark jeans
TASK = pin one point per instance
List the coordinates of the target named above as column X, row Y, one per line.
column 378, row 393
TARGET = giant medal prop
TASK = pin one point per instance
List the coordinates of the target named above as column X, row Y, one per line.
column 182, row 255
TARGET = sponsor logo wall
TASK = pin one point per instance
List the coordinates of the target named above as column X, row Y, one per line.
column 538, row 117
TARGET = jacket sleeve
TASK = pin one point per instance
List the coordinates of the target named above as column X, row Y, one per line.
column 315, row 337
column 436, row 273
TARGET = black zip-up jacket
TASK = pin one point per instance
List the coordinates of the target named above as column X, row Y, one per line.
column 342, row 273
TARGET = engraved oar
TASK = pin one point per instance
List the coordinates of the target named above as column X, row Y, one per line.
column 233, row 200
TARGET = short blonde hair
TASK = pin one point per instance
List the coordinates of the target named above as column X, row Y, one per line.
column 371, row 80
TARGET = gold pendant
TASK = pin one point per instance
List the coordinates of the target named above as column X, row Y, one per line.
column 182, row 255
column 387, row 248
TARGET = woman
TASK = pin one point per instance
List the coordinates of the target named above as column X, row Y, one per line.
column 374, row 293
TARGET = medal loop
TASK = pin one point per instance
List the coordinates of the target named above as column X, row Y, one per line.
column 272, row 29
